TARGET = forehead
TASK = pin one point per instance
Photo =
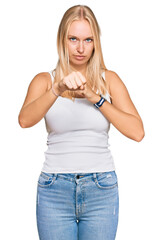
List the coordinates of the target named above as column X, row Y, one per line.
column 80, row 28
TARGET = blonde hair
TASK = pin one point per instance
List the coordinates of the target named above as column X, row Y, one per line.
column 95, row 65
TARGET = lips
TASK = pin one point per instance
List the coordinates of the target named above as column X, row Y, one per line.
column 79, row 57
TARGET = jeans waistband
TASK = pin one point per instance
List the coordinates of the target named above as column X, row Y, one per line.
column 72, row 176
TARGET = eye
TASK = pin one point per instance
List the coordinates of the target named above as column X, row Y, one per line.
column 89, row 40
column 72, row 39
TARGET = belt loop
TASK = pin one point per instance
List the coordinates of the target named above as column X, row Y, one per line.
column 55, row 176
column 94, row 176
column 75, row 175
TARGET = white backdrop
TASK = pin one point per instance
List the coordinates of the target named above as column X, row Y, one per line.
column 132, row 47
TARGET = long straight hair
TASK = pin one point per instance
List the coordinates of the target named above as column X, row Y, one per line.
column 95, row 65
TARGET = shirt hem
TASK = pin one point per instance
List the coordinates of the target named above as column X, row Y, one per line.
column 95, row 170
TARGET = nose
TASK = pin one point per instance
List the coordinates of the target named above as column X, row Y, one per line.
column 80, row 47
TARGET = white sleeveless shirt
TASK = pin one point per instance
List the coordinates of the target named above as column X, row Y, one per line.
column 77, row 137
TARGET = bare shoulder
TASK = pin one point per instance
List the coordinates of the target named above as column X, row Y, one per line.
column 116, row 85
column 43, row 79
column 120, row 96
column 38, row 86
column 112, row 78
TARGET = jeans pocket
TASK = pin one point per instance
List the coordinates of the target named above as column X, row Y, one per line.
column 46, row 179
column 106, row 180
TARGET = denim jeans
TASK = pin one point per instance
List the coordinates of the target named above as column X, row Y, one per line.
column 77, row 206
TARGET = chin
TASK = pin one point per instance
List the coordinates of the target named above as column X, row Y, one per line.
column 77, row 63
column 80, row 62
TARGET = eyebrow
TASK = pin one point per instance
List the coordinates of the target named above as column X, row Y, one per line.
column 77, row 37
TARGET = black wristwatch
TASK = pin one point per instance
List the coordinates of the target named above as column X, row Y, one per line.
column 99, row 103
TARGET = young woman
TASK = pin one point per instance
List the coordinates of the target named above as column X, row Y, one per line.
column 77, row 191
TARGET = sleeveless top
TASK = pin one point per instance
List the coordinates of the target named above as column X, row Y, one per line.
column 78, row 140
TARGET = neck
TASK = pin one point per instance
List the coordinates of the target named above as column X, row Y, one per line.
column 79, row 68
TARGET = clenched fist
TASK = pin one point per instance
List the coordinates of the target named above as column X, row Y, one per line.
column 74, row 81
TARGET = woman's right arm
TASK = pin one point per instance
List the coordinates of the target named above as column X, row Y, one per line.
column 40, row 96
column 38, row 100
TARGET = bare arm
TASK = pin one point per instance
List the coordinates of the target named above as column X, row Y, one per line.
column 122, row 112
column 38, row 100
column 40, row 96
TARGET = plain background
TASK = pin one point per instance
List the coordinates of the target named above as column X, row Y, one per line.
column 132, row 47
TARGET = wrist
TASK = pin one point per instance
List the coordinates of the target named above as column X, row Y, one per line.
column 100, row 102
column 56, row 90
column 95, row 98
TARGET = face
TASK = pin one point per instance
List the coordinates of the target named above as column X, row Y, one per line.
column 80, row 43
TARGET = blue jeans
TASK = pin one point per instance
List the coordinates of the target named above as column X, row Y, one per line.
column 77, row 206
